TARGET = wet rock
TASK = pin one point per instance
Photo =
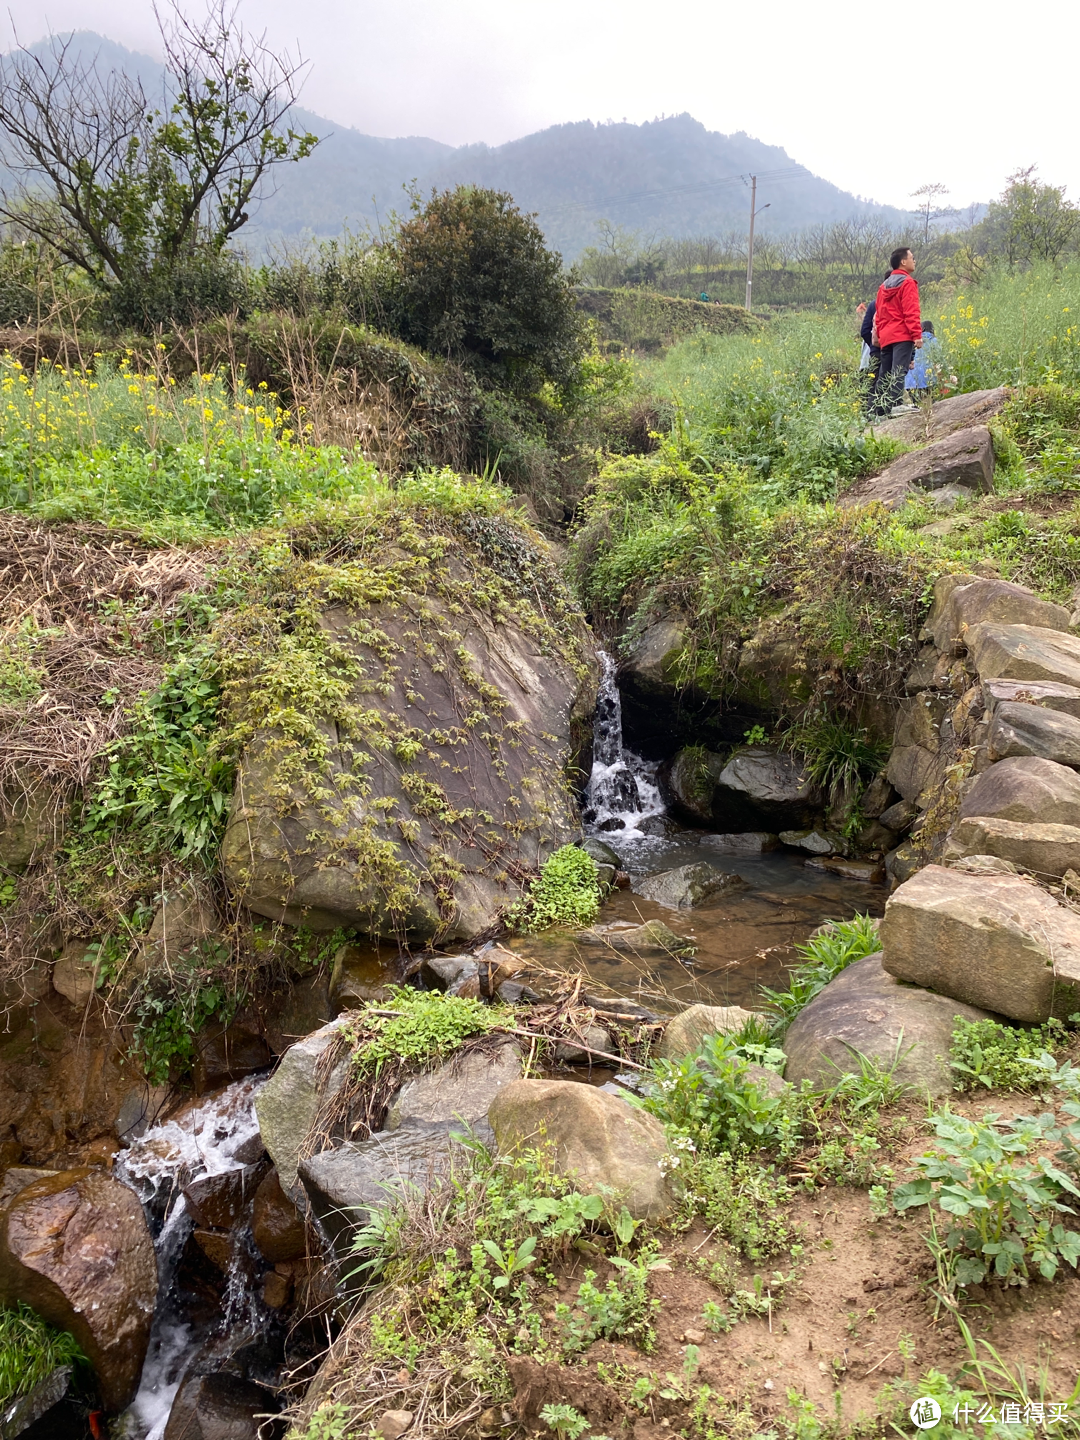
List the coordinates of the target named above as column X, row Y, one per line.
column 16, row 1416
column 75, row 1248
column 594, row 1137
column 867, row 872
column 687, row 1031
column 140, row 1108
column 1019, row 729
column 218, row 1201
column 343, row 1183
column 288, row 1103
column 1026, row 789
column 999, row 601
column 743, row 842
column 652, row 938
column 18, row 1177
column 276, row 1224
column 216, row 1245
column 452, row 972
column 230, row 1052
column 462, row 1089
column 689, row 784
column 222, row 1407
column 996, row 941
column 75, row 973
column 655, row 654
column 1050, row 695
column 298, row 1008
column 601, row 853
column 1045, row 850
column 814, row 842
column 687, row 885
column 964, row 459
column 770, row 784
column 1024, row 652
column 292, row 859
column 359, row 977
column 866, row 1011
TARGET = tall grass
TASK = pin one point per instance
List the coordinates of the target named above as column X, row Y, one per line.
column 1016, row 328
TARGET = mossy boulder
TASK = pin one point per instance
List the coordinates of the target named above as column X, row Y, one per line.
column 424, row 775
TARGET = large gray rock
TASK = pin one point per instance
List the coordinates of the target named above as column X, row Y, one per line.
column 996, row 941
column 769, row 785
column 220, row 1407
column 1046, row 850
column 596, row 1138
column 687, row 885
column 1023, row 652
column 1027, row 790
column 288, row 1103
column 1019, row 729
column 999, row 601
column 654, row 655
column 690, row 783
column 866, row 1011
column 1052, row 695
column 964, row 459
column 743, row 842
column 454, row 785
column 75, row 1247
column 911, row 770
column 686, row 1032
column 344, row 1183
column 462, row 1089
column 957, row 412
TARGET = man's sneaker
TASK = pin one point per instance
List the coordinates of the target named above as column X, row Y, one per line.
column 900, row 410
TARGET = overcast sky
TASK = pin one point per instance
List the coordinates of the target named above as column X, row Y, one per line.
column 952, row 91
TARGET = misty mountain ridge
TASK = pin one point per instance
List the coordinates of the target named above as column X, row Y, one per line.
column 665, row 177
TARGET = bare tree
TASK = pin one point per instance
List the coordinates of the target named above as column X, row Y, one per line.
column 119, row 186
column 928, row 208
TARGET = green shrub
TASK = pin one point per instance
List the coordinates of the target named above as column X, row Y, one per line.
column 566, row 893
column 1005, row 1199
column 713, row 1100
column 998, row 1056
column 824, row 957
column 30, row 1350
column 741, row 1200
column 427, row 1028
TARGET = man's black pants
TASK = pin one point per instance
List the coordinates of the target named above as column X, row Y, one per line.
column 895, row 363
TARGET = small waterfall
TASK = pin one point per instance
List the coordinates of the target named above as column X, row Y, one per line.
column 622, row 789
column 212, row 1138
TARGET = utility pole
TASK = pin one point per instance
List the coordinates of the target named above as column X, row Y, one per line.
column 750, row 249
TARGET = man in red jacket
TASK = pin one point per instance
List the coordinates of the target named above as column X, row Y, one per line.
column 899, row 328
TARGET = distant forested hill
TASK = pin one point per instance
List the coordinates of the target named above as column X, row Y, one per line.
column 668, row 177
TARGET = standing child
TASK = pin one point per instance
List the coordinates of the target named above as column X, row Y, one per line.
column 925, row 373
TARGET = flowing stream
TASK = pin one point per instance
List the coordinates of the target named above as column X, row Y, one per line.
column 622, row 792
column 213, row 1137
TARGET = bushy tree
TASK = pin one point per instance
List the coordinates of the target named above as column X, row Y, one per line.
column 1032, row 221
column 133, row 193
column 476, row 283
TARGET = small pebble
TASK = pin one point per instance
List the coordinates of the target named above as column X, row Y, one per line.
column 694, row 1337
column 768, row 1385
column 393, row 1423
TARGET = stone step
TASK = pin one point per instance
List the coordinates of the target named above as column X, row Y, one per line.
column 996, row 941
column 1049, row 694
column 1026, row 789
column 1019, row 729
column 1044, row 849
column 1023, row 652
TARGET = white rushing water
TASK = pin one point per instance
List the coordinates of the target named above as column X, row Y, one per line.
column 622, row 789
column 210, row 1138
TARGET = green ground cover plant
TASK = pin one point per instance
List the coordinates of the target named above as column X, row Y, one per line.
column 566, row 892
column 30, row 1350
column 418, row 1028
column 999, row 1057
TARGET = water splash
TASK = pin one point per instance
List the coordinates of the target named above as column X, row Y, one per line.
column 212, row 1138
column 622, row 789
